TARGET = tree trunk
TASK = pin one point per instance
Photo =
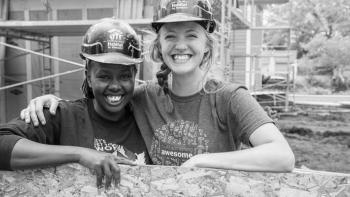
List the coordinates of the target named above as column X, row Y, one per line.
column 339, row 82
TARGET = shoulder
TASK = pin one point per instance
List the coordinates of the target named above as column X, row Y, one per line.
column 148, row 85
column 148, row 88
column 224, row 90
column 75, row 105
column 225, row 95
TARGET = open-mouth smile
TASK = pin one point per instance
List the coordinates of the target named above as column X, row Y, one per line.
column 181, row 58
column 113, row 99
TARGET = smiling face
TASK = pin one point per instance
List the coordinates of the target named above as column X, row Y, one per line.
column 112, row 86
column 183, row 46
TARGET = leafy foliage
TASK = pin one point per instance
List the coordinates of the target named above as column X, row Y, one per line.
column 309, row 18
column 329, row 54
column 321, row 29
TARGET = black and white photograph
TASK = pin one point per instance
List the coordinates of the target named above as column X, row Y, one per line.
column 175, row 98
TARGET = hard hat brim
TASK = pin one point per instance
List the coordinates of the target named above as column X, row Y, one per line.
column 173, row 18
column 177, row 17
column 113, row 58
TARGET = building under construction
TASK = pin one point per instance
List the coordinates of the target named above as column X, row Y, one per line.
column 40, row 45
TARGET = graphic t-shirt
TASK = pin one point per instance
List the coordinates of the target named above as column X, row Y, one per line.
column 196, row 124
column 120, row 137
column 77, row 124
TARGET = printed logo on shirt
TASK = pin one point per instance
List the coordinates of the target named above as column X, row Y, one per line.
column 178, row 141
column 119, row 150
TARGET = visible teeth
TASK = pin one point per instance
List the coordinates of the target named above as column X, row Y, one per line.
column 113, row 98
column 181, row 57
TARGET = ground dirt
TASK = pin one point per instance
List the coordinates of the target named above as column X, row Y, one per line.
column 319, row 137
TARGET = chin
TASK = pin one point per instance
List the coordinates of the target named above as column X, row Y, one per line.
column 114, row 110
column 183, row 71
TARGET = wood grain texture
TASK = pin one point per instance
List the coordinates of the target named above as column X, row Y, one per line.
column 75, row 180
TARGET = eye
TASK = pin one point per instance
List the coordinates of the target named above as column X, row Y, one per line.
column 169, row 37
column 192, row 35
column 126, row 76
column 103, row 76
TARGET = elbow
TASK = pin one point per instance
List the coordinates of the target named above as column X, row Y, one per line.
column 283, row 159
column 287, row 162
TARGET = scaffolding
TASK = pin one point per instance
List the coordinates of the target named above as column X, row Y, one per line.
column 3, row 16
column 235, row 14
column 275, row 87
column 40, row 38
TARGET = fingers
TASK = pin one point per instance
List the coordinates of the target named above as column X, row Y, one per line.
column 36, row 108
column 122, row 160
column 39, row 107
column 32, row 113
column 116, row 174
column 53, row 106
column 108, row 175
column 27, row 116
column 99, row 177
column 24, row 115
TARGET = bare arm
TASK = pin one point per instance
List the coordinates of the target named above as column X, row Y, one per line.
column 29, row 154
column 271, row 152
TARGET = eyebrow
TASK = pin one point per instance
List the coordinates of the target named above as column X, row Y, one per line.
column 123, row 70
column 191, row 30
column 171, row 30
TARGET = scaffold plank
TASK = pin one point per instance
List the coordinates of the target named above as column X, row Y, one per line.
column 61, row 28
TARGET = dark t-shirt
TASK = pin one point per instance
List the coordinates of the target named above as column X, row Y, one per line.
column 77, row 124
column 219, row 121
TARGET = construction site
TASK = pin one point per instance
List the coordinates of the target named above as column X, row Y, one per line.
column 41, row 41
column 39, row 54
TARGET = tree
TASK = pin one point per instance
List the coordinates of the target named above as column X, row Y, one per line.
column 331, row 56
column 309, row 18
column 322, row 32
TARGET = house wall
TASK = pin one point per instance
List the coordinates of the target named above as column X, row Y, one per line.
column 239, row 56
column 246, row 47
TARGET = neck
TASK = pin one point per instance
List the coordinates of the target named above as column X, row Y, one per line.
column 186, row 85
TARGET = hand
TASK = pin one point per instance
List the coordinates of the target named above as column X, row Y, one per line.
column 104, row 165
column 34, row 111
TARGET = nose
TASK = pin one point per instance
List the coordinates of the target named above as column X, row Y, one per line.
column 114, row 85
column 181, row 44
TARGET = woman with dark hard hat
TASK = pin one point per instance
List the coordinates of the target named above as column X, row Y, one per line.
column 98, row 131
column 198, row 121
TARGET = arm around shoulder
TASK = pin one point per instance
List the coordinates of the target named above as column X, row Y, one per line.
column 34, row 111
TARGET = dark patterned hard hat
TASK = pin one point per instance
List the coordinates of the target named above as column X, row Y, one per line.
column 111, row 41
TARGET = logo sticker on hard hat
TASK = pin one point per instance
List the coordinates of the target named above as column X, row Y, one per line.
column 116, row 39
column 179, row 5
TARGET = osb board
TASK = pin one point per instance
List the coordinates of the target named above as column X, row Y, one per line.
column 153, row 181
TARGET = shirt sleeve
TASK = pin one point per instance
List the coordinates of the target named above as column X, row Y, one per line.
column 17, row 129
column 247, row 114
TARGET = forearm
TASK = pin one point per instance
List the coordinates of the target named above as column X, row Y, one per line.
column 273, row 157
column 29, row 154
